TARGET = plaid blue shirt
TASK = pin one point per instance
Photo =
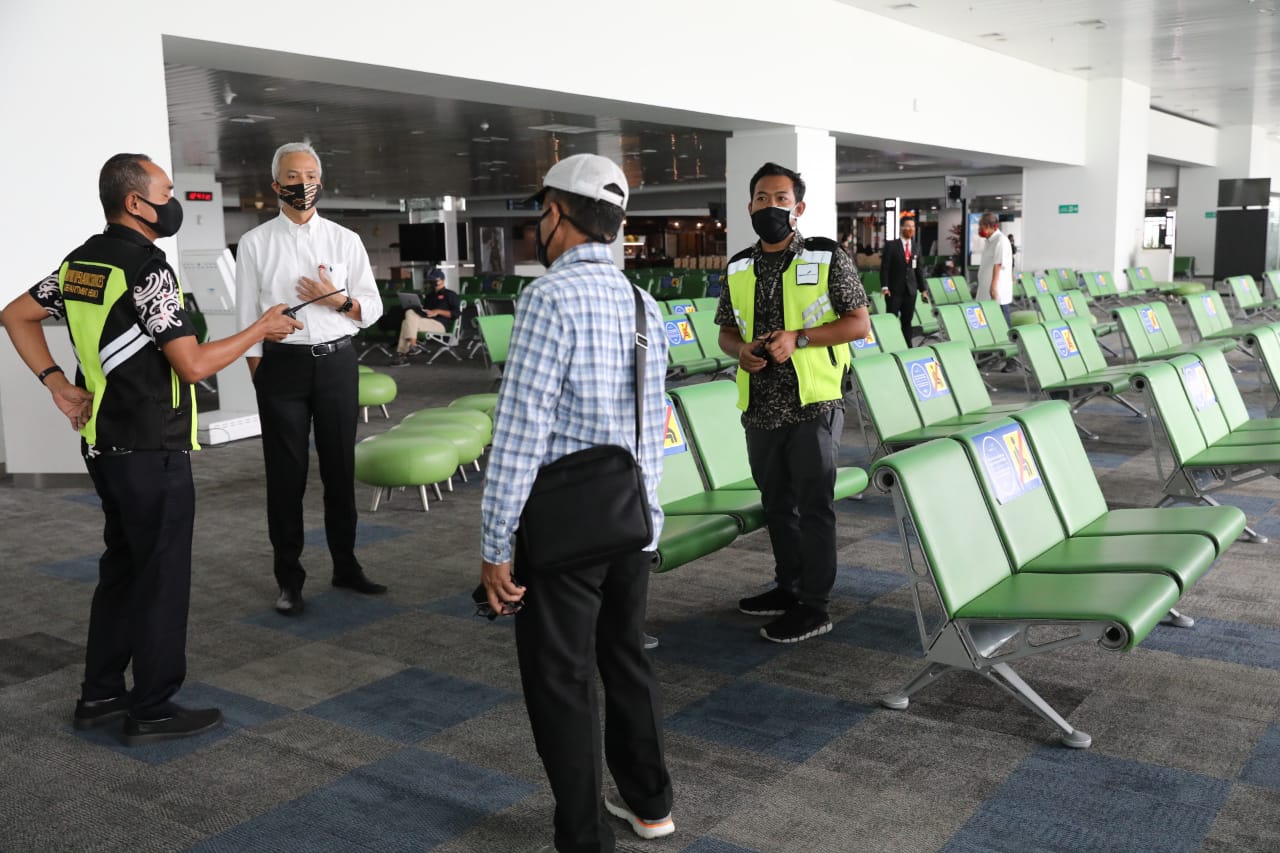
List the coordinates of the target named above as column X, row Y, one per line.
column 568, row 385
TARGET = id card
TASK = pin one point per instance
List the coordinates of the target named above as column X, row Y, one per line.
column 807, row 274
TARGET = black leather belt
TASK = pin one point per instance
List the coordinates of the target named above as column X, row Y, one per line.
column 316, row 350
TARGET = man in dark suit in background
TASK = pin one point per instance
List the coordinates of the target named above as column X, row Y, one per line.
column 902, row 276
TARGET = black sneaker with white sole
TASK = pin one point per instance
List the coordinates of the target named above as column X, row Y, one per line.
column 801, row 622
column 775, row 602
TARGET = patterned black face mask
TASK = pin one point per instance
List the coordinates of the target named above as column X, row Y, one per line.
column 300, row 196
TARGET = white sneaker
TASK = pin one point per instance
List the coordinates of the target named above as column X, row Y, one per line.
column 644, row 828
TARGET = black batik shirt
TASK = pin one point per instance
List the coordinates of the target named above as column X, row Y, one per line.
column 775, row 391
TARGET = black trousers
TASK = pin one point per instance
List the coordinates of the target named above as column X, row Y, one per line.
column 573, row 624
column 795, row 468
column 139, row 611
column 295, row 391
column 904, row 306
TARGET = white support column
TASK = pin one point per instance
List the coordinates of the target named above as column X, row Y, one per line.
column 1090, row 217
column 810, row 152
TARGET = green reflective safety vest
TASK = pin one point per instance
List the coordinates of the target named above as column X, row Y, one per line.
column 805, row 304
column 139, row 403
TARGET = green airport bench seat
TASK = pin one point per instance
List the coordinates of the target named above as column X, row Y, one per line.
column 876, row 298
column 1067, row 364
column 1184, row 266
column 1068, row 477
column 1250, row 305
column 709, row 413
column 1141, row 281
column 870, row 281
column 1271, row 283
column 684, row 353
column 1264, row 343
column 1150, row 334
column 885, row 397
column 948, row 290
column 966, row 384
column 974, row 612
column 982, row 325
column 1187, row 398
column 885, row 336
column 681, row 490
column 708, row 334
column 706, row 303
column 922, row 318
column 1037, row 283
column 1067, row 278
column 1101, row 286
column 686, row 538
column 1071, row 305
column 1210, row 318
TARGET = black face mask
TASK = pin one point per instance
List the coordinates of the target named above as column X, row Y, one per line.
column 540, row 248
column 772, row 224
column 299, row 196
column 168, row 217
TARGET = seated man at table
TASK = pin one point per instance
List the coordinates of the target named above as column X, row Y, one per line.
column 439, row 311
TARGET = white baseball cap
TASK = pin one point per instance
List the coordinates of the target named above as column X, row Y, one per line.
column 590, row 175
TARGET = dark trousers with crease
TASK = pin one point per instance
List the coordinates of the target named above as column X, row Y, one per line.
column 295, row 391
column 139, row 611
column 795, row 468
column 903, row 305
column 574, row 624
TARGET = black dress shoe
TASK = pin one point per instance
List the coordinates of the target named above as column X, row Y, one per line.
column 99, row 712
column 180, row 723
column 359, row 583
column 290, row 602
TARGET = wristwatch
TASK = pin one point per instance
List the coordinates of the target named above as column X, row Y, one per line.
column 802, row 340
column 346, row 306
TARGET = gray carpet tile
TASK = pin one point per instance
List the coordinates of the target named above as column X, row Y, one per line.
column 396, row 723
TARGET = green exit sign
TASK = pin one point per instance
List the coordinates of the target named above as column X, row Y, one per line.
column 1211, row 214
column 1068, row 208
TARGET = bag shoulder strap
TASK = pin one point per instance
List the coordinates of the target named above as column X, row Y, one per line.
column 642, row 347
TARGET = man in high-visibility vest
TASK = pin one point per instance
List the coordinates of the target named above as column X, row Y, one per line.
column 791, row 307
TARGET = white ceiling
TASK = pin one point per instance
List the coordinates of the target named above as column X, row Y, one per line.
column 1214, row 61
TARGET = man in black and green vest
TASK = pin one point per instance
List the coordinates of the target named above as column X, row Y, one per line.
column 134, row 405
column 791, row 308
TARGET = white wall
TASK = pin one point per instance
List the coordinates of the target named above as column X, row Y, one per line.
column 934, row 187
column 1181, row 141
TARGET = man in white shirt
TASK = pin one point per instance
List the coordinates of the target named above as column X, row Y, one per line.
column 995, row 275
column 310, row 378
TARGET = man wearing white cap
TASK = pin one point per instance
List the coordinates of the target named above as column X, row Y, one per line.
column 568, row 386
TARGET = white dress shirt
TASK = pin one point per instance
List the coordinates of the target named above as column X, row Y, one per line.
column 272, row 257
column 996, row 251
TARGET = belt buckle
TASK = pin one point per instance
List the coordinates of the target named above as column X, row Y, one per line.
column 318, row 350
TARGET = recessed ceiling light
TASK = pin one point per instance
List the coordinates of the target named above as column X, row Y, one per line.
column 271, row 88
column 648, row 150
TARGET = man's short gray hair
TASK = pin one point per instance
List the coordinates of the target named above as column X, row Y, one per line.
column 990, row 220
column 293, row 148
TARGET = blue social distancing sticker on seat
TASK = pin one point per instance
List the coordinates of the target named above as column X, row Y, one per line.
column 1042, row 284
column 1142, row 272
column 1199, row 389
column 673, row 441
column 868, row 341
column 1209, row 307
column 926, row 378
column 1150, row 321
column 976, row 316
column 679, row 332
column 949, row 284
column 683, row 308
column 1064, row 342
column 1101, row 279
column 1066, row 307
column 1007, row 462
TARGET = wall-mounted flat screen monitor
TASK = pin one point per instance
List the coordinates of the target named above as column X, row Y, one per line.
column 1244, row 192
column 424, row 241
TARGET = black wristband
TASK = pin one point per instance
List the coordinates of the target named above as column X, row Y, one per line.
column 48, row 370
column 346, row 306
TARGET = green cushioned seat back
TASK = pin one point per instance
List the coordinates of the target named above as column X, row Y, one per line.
column 947, row 290
column 706, row 304
column 1033, row 284
column 677, row 306
column 934, row 285
column 1244, row 290
column 496, row 332
column 1013, row 487
column 1142, row 339
column 710, row 414
column 1160, row 315
column 1064, row 465
column 979, row 322
column 1202, row 396
column 887, row 330
column 1272, row 278
column 1139, row 279
column 953, row 322
column 1047, row 306
column 930, row 392
column 1067, row 278
column 962, row 375
column 1099, row 284
column 870, row 281
column 1066, row 349
column 1224, row 385
column 1267, row 347
column 995, row 320
column 682, row 339
column 1207, row 312
column 888, row 400
column 1176, row 415
column 1087, row 341
column 923, row 317
column 877, row 300
column 707, row 332
column 1035, row 343
column 1083, row 303
column 955, row 529
column 680, row 476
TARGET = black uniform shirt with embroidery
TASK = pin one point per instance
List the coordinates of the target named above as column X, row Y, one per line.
column 155, row 295
column 775, row 391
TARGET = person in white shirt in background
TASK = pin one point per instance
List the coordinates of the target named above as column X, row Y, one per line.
column 310, row 378
column 995, row 275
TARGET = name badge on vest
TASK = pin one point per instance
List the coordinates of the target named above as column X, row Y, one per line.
column 806, row 274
